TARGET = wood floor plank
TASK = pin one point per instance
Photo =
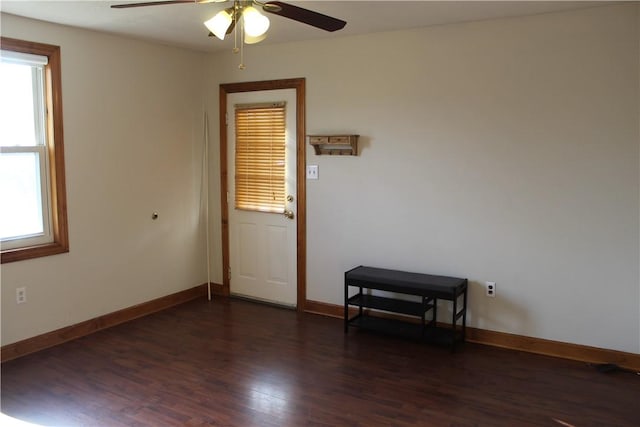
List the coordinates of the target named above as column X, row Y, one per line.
column 237, row 363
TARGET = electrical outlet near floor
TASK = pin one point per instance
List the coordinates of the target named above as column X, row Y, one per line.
column 21, row 295
column 491, row 289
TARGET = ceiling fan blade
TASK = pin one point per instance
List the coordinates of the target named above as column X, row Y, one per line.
column 149, row 3
column 160, row 3
column 305, row 16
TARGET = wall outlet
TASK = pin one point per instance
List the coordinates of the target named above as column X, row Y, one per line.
column 491, row 289
column 21, row 295
column 312, row 171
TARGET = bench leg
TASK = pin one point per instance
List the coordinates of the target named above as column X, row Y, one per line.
column 422, row 317
column 435, row 312
column 453, row 324
column 464, row 317
column 346, row 306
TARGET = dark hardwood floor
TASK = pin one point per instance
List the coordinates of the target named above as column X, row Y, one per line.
column 237, row 363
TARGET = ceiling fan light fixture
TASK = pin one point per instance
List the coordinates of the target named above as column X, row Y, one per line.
column 246, row 23
column 255, row 24
column 253, row 40
column 220, row 23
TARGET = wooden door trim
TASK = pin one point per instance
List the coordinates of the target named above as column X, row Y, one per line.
column 301, row 186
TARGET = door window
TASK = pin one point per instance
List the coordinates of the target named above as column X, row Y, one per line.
column 260, row 157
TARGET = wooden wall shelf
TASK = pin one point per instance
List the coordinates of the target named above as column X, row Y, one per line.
column 337, row 145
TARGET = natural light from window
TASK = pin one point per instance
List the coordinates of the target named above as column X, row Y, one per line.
column 23, row 151
column 21, row 195
column 17, row 118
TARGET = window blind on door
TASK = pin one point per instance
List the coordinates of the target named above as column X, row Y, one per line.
column 260, row 157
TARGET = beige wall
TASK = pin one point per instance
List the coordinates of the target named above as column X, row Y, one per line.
column 133, row 140
column 501, row 150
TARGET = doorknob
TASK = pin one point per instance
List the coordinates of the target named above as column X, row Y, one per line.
column 288, row 214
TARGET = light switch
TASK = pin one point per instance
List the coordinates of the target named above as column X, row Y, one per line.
column 312, row 171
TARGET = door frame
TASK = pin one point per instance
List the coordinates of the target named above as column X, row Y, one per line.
column 301, row 185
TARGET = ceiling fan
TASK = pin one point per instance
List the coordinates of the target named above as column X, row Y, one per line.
column 253, row 25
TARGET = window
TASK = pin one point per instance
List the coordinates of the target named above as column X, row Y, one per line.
column 260, row 157
column 33, row 221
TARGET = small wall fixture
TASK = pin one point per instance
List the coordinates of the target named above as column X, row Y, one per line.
column 340, row 145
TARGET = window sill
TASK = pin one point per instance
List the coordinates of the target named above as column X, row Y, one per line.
column 19, row 254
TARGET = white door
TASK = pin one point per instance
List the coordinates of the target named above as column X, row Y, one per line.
column 262, row 245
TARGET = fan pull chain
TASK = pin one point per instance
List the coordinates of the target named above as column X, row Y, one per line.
column 235, row 34
column 242, row 66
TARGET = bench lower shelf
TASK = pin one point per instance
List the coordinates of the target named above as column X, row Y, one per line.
column 431, row 334
column 390, row 304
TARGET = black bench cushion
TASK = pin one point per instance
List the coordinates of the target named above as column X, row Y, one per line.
column 405, row 282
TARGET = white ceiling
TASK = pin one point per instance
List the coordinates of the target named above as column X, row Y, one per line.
column 181, row 24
